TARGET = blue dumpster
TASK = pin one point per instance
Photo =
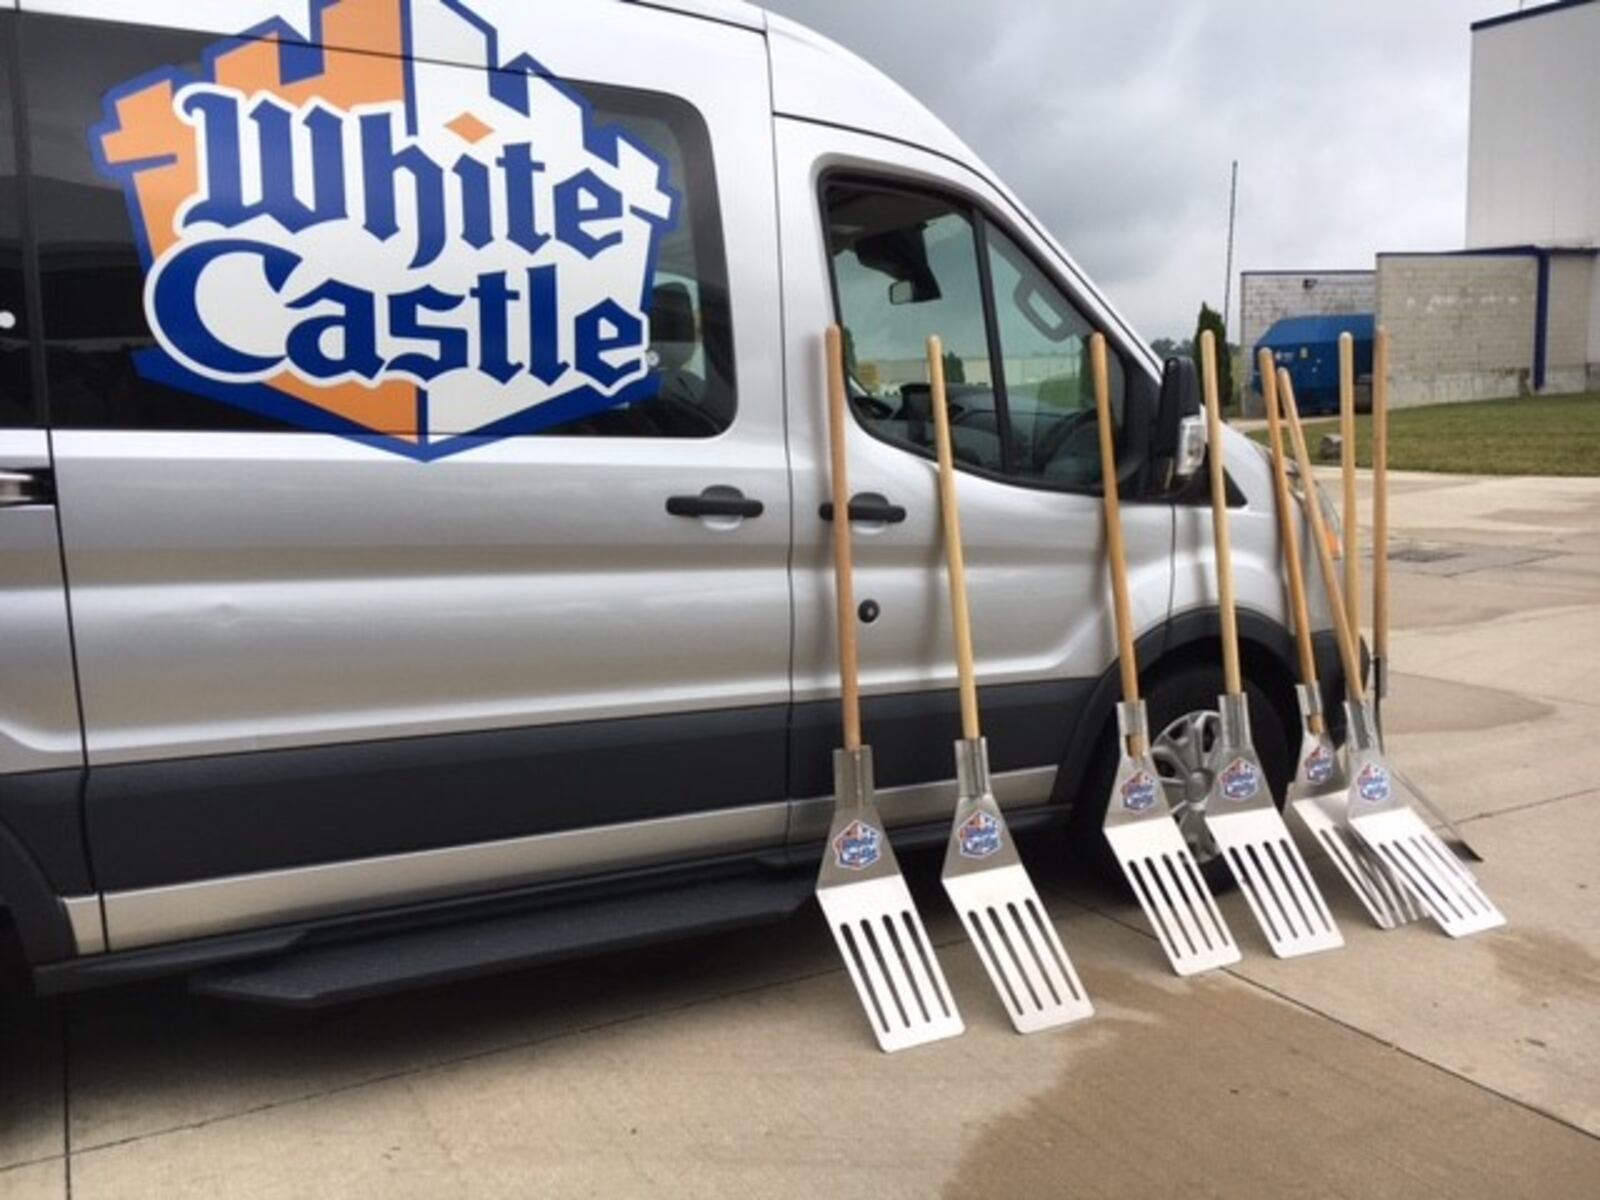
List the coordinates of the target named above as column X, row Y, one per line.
column 1308, row 347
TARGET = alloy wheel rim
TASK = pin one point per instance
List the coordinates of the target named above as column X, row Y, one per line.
column 1183, row 756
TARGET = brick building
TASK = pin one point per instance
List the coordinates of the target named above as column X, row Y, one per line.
column 1266, row 297
column 1517, row 310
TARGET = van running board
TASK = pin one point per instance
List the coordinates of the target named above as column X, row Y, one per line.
column 338, row 974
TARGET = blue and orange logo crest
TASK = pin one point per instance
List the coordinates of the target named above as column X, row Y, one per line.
column 858, row 846
column 1372, row 783
column 1319, row 764
column 979, row 835
column 1139, row 792
column 422, row 255
column 1239, row 780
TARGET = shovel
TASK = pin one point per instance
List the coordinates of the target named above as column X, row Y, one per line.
column 1380, row 573
column 862, row 893
column 1319, row 794
column 1380, row 526
column 1139, row 826
column 1240, row 813
column 1376, row 807
column 1351, row 515
column 983, row 873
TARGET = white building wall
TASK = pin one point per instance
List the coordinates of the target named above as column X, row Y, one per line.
column 1266, row 297
column 1461, row 327
column 1568, row 328
column 1594, row 329
column 1533, row 154
column 1533, row 157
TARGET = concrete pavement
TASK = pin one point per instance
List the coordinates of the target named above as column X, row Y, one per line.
column 1409, row 1065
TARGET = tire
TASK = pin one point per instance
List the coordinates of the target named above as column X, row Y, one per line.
column 1175, row 699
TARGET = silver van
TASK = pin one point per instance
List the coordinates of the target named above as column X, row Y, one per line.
column 413, row 524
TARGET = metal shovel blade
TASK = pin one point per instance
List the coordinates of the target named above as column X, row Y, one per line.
column 990, row 888
column 1383, row 818
column 1319, row 808
column 1319, row 797
column 874, row 920
column 1247, row 827
column 1375, row 698
column 1157, row 862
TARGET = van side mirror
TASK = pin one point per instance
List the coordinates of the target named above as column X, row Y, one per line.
column 1178, row 444
column 902, row 255
column 1137, row 473
column 1134, row 446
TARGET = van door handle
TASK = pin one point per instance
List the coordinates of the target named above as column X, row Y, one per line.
column 868, row 507
column 18, row 488
column 715, row 501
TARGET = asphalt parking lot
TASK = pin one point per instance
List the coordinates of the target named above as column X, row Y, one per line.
column 1408, row 1065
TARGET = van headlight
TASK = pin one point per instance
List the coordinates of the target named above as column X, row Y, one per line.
column 1330, row 517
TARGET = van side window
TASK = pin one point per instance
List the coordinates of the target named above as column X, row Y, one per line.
column 16, row 391
column 907, row 264
column 1044, row 351
column 480, row 346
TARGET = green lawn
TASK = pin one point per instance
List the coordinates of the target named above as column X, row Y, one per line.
column 1531, row 435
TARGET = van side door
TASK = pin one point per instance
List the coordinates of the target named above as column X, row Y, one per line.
column 44, row 877
column 422, row 472
column 897, row 244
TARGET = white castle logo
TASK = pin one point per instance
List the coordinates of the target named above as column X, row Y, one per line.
column 476, row 236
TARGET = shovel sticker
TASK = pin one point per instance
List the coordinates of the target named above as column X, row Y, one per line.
column 858, row 846
column 979, row 836
column 1372, row 784
column 1239, row 780
column 1139, row 793
column 1319, row 765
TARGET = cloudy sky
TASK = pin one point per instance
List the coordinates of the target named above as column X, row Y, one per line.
column 1116, row 123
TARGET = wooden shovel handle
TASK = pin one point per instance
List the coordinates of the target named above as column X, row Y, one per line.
column 1347, row 467
column 844, row 585
column 950, row 516
column 1288, row 530
column 1116, row 551
column 1319, row 534
column 1232, row 680
column 1380, row 494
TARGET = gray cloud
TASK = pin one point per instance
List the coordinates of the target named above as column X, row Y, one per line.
column 1115, row 123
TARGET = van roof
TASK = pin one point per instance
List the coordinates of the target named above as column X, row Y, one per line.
column 734, row 12
column 817, row 79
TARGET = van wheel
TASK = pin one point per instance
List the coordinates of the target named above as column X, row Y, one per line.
column 1184, row 721
column 1182, row 750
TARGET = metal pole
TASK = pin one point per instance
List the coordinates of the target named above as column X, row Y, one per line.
column 1227, row 278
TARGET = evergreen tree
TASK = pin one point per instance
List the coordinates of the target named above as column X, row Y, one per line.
column 1211, row 319
column 955, row 370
